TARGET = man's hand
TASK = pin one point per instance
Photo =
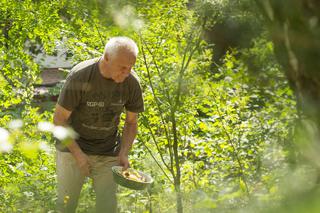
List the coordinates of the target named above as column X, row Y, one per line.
column 83, row 163
column 123, row 161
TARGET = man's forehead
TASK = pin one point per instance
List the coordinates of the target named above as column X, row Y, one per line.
column 125, row 57
column 124, row 51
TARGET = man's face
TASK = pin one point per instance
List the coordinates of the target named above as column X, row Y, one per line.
column 119, row 66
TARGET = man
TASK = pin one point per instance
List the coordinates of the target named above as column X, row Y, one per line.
column 91, row 102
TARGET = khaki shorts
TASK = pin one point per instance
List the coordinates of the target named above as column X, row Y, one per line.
column 70, row 181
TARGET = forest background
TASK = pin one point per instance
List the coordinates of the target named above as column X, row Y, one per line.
column 231, row 97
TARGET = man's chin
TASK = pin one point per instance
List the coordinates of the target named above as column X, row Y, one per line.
column 119, row 80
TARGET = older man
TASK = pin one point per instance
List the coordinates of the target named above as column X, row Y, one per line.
column 91, row 102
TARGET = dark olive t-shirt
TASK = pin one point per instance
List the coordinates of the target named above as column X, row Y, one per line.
column 96, row 104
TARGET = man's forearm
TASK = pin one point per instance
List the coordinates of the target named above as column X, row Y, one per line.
column 60, row 118
column 129, row 133
column 74, row 148
column 73, row 145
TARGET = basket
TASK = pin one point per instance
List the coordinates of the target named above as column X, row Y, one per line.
column 131, row 184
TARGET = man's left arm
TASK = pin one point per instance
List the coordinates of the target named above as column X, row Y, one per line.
column 129, row 133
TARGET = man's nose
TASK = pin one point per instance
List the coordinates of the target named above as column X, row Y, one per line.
column 126, row 73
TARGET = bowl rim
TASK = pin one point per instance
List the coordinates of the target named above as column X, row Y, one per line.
column 115, row 170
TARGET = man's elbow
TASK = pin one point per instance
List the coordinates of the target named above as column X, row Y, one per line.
column 56, row 121
column 59, row 120
column 61, row 116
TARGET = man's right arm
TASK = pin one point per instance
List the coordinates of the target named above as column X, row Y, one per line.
column 60, row 118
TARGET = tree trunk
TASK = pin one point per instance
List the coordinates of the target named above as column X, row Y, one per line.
column 295, row 32
column 177, row 187
column 177, row 178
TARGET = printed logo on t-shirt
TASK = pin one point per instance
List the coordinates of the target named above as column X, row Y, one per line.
column 95, row 104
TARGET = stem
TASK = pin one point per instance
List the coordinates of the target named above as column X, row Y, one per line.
column 158, row 148
column 232, row 145
column 159, row 109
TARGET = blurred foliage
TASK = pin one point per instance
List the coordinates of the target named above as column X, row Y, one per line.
column 295, row 34
column 27, row 171
column 228, row 24
column 215, row 138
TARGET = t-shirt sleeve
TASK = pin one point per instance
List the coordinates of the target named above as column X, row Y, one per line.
column 70, row 94
column 135, row 102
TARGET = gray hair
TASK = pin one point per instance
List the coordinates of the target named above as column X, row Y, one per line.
column 119, row 43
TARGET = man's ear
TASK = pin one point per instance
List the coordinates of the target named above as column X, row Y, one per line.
column 106, row 57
